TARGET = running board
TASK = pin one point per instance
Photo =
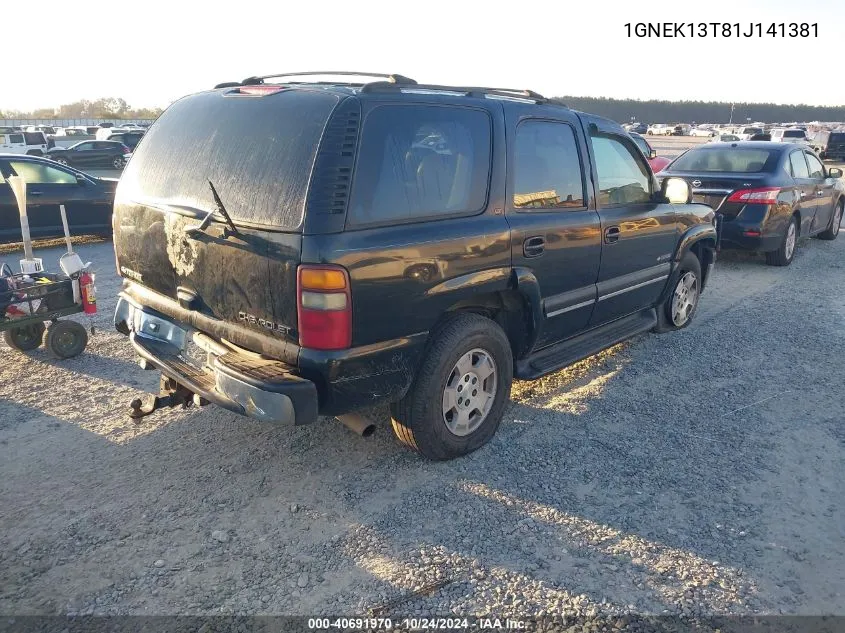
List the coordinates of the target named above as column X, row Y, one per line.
column 566, row 353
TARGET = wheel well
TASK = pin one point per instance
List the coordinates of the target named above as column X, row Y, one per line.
column 704, row 250
column 797, row 215
column 507, row 308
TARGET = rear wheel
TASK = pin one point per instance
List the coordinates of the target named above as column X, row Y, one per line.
column 459, row 395
column 25, row 337
column 833, row 231
column 61, row 160
column 786, row 251
column 65, row 339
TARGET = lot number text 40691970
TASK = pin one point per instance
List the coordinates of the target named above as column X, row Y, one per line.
column 722, row 29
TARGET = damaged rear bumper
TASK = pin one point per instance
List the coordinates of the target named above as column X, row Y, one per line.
column 239, row 381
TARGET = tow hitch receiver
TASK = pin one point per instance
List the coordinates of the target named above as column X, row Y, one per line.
column 171, row 394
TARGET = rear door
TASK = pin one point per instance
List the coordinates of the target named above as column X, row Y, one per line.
column 823, row 192
column 83, row 155
column 638, row 234
column 555, row 230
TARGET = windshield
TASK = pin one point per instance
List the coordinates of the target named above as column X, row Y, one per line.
column 258, row 152
column 727, row 159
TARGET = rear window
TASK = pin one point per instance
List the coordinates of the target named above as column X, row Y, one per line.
column 793, row 134
column 258, row 152
column 34, row 138
column 728, row 159
column 837, row 137
column 418, row 162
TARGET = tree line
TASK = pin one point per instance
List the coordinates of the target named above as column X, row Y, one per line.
column 103, row 108
column 653, row 111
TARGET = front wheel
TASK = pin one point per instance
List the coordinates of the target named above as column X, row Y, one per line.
column 786, row 251
column 460, row 391
column 118, row 162
column 833, row 231
column 677, row 311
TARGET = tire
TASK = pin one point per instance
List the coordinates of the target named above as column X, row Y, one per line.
column 65, row 339
column 678, row 309
column 24, row 338
column 467, row 344
column 61, row 160
column 833, row 230
column 785, row 253
column 118, row 162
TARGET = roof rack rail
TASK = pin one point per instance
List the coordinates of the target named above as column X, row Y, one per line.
column 392, row 78
column 470, row 91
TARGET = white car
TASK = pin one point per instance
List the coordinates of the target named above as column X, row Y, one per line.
column 724, row 138
column 790, row 135
column 747, row 132
column 660, row 129
column 702, row 131
column 13, row 141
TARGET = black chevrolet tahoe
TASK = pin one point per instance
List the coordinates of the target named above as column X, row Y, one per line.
column 292, row 248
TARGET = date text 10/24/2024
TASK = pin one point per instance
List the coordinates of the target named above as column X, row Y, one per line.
column 417, row 624
column 721, row 29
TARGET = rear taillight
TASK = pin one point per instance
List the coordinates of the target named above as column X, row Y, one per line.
column 324, row 307
column 763, row 195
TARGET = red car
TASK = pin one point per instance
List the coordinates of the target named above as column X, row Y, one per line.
column 656, row 162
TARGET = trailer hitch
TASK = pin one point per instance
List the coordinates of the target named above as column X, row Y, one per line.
column 171, row 394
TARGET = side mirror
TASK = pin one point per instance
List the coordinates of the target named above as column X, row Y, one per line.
column 652, row 153
column 676, row 191
column 834, row 172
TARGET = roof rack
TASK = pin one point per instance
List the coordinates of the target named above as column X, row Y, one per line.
column 390, row 77
column 469, row 91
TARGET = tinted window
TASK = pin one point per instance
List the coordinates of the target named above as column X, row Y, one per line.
column 622, row 178
column 816, row 169
column 836, row 137
column 420, row 161
column 16, row 138
column 39, row 173
column 730, row 159
column 793, row 134
column 798, row 165
column 84, row 147
column 641, row 143
column 34, row 138
column 258, row 152
column 547, row 167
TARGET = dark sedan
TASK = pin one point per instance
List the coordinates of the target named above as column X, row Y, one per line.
column 88, row 200
column 91, row 154
column 768, row 194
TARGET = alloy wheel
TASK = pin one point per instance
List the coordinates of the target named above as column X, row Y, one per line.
column 684, row 299
column 469, row 392
column 789, row 245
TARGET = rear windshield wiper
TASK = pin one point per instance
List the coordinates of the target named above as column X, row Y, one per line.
column 195, row 230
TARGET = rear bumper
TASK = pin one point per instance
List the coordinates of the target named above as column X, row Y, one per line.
column 754, row 229
column 246, row 384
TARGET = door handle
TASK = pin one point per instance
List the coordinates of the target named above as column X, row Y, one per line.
column 611, row 234
column 534, row 246
column 35, row 193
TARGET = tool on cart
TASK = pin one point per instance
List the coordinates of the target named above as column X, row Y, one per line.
column 33, row 297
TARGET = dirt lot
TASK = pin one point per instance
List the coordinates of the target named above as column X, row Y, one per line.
column 694, row 472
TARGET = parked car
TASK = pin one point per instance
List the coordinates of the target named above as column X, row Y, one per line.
column 108, row 154
column 791, row 135
column 639, row 128
column 768, row 194
column 656, row 162
column 724, row 138
column 746, row 133
column 702, row 131
column 681, row 129
column 659, row 129
column 129, row 139
column 298, row 262
column 88, row 200
column 13, row 141
column 46, row 129
column 830, row 145
column 762, row 136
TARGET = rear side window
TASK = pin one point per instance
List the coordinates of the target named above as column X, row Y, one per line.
column 420, row 162
column 547, row 167
column 798, row 165
column 793, row 134
column 837, row 137
column 622, row 178
column 16, row 138
column 41, row 174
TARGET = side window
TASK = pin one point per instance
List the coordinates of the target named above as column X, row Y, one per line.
column 816, row 169
column 642, row 144
column 16, row 138
column 420, row 162
column 84, row 147
column 40, row 174
column 799, row 165
column 547, row 167
column 3, row 139
column 623, row 179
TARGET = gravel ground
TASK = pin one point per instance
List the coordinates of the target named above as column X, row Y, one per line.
column 698, row 472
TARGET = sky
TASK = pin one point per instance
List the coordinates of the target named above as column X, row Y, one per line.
column 153, row 52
